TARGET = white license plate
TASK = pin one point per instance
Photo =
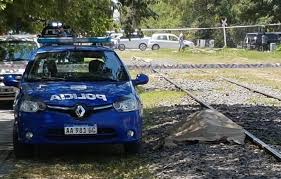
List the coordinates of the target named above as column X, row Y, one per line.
column 80, row 130
column 6, row 89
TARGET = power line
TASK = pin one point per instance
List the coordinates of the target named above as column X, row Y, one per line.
column 212, row 28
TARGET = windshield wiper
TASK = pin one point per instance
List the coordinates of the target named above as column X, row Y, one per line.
column 92, row 79
column 15, row 59
column 43, row 78
column 19, row 59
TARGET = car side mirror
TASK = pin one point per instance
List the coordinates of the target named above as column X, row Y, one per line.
column 141, row 79
column 10, row 80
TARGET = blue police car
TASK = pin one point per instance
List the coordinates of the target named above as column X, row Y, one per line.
column 76, row 94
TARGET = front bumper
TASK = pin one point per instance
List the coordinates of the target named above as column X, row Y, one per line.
column 47, row 127
column 7, row 93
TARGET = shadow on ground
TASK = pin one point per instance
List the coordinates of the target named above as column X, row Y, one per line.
column 212, row 160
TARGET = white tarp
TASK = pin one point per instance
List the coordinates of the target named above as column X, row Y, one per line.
column 206, row 126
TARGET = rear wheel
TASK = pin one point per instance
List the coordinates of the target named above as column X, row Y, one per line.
column 121, row 47
column 21, row 150
column 155, row 47
column 142, row 47
column 133, row 148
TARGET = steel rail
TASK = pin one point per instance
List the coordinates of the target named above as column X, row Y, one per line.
column 251, row 89
column 246, row 87
column 249, row 135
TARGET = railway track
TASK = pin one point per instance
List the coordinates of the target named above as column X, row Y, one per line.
column 249, row 135
column 246, row 87
column 148, row 65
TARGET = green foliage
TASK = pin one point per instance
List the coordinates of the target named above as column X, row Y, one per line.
column 3, row 4
column 86, row 16
column 278, row 48
column 209, row 13
column 133, row 12
column 166, row 17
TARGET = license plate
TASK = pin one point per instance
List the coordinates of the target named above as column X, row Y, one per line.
column 80, row 130
column 6, row 90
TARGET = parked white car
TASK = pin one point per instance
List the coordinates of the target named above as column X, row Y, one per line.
column 135, row 42
column 166, row 40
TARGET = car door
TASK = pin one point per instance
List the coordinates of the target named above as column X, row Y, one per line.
column 135, row 41
column 162, row 41
column 173, row 41
column 130, row 43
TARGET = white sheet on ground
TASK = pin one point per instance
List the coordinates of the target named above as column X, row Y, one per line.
column 206, row 126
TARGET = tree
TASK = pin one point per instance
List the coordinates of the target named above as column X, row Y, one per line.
column 133, row 12
column 3, row 4
column 86, row 16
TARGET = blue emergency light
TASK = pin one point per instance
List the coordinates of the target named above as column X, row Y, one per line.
column 71, row 40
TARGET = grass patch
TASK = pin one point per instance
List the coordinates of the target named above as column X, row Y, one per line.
column 267, row 77
column 195, row 56
column 154, row 98
column 82, row 167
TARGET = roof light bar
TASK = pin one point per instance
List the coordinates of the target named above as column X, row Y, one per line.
column 70, row 40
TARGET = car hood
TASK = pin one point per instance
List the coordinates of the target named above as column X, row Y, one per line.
column 13, row 67
column 73, row 93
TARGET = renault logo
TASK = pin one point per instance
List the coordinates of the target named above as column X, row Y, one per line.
column 80, row 111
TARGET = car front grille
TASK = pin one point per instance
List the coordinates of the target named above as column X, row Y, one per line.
column 7, row 95
column 71, row 110
column 7, row 92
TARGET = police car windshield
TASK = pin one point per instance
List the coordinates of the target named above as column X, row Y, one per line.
column 77, row 66
column 16, row 50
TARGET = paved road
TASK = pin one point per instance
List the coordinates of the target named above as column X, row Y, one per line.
column 6, row 127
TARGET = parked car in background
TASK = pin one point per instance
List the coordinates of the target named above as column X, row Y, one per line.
column 116, row 35
column 135, row 41
column 254, row 40
column 15, row 52
column 166, row 40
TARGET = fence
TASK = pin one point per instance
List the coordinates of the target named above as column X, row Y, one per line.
column 235, row 35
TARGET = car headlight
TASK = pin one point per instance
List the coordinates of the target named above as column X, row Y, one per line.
column 126, row 104
column 32, row 106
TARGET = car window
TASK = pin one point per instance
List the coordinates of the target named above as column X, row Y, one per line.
column 272, row 36
column 16, row 50
column 77, row 66
column 162, row 37
column 173, row 38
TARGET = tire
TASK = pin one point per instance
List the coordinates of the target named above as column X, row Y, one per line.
column 133, row 148
column 142, row 47
column 21, row 150
column 121, row 47
column 155, row 47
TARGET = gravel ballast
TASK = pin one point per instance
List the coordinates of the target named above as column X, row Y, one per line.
column 213, row 160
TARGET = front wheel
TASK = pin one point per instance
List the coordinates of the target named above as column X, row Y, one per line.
column 121, row 47
column 155, row 47
column 142, row 47
column 133, row 148
column 21, row 150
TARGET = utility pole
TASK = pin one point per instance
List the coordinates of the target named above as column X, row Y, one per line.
column 224, row 24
